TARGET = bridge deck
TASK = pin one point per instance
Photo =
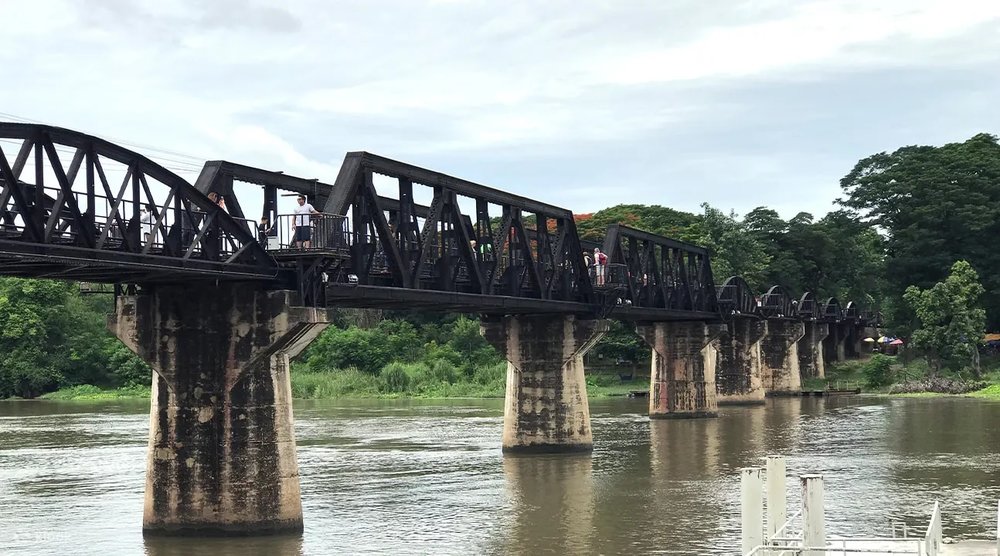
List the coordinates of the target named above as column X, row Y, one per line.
column 362, row 296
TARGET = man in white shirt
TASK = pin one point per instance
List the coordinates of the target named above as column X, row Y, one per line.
column 303, row 233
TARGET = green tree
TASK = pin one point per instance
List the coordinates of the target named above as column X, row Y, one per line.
column 951, row 320
column 337, row 348
column 621, row 343
column 734, row 251
column 474, row 350
column 30, row 336
column 935, row 205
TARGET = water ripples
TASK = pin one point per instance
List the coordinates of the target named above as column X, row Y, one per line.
column 416, row 477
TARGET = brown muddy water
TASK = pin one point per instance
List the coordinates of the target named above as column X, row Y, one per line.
column 397, row 477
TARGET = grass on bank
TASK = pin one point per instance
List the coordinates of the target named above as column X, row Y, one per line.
column 86, row 392
column 436, row 380
column 396, row 380
column 988, row 393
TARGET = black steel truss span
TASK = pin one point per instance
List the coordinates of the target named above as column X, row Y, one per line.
column 72, row 217
column 831, row 311
column 776, row 303
column 654, row 272
column 511, row 246
column 736, row 297
column 807, row 307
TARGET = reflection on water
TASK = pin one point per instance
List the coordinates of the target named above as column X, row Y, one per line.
column 555, row 500
column 250, row 546
column 392, row 477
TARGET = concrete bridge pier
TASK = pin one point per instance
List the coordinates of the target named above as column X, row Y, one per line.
column 221, row 447
column 738, row 370
column 545, row 402
column 833, row 345
column 852, row 340
column 781, row 356
column 810, row 350
column 682, row 374
column 855, row 346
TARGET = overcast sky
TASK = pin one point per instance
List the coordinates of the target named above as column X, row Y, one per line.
column 582, row 104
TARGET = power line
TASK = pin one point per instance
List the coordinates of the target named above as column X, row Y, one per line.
column 195, row 165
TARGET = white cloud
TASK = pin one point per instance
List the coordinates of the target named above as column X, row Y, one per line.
column 527, row 94
column 837, row 34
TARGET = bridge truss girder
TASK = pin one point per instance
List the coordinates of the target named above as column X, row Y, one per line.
column 509, row 246
column 656, row 272
column 73, row 222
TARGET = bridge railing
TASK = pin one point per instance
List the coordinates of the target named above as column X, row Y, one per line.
column 119, row 227
column 326, row 232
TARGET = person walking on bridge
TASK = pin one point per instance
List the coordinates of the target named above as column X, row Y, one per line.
column 303, row 233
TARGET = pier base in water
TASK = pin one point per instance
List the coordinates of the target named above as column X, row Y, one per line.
column 781, row 357
column 545, row 403
column 738, row 368
column 221, row 447
column 682, row 373
column 810, row 350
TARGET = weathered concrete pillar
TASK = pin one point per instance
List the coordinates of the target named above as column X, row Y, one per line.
column 781, row 356
column 852, row 337
column 833, row 344
column 682, row 374
column 545, row 403
column 810, row 349
column 738, row 371
column 221, row 446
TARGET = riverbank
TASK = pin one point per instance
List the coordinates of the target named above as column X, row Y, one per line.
column 888, row 376
column 328, row 386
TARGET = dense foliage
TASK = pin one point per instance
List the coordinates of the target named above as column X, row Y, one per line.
column 51, row 337
column 446, row 356
column 935, row 206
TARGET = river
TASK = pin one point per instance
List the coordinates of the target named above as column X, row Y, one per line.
column 412, row 477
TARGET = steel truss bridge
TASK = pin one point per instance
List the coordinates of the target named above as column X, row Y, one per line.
column 76, row 207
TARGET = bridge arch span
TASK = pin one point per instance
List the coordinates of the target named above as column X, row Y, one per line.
column 851, row 311
column 736, row 297
column 74, row 206
column 832, row 310
column 776, row 303
column 807, row 307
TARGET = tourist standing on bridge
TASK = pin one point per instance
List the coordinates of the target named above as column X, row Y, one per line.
column 264, row 230
column 600, row 265
column 219, row 200
column 303, row 234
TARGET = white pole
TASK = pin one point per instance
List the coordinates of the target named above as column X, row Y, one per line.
column 751, row 508
column 813, row 522
column 998, row 528
column 777, row 504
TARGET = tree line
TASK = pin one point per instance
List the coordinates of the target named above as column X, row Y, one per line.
column 913, row 236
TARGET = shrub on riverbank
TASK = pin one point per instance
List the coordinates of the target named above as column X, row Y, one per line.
column 939, row 385
column 878, row 371
column 893, row 375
